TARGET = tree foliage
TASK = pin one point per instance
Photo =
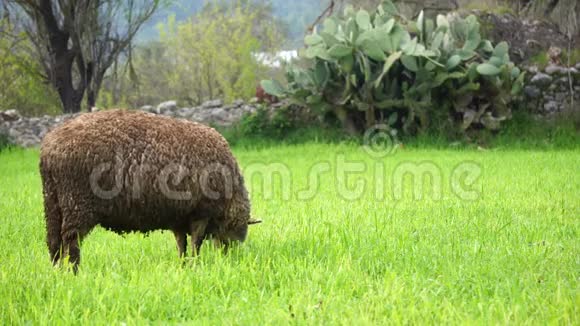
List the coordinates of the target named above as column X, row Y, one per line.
column 21, row 86
column 209, row 56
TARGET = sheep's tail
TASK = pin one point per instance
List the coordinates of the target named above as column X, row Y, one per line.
column 52, row 213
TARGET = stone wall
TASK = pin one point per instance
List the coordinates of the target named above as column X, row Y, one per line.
column 547, row 93
column 527, row 38
column 550, row 91
column 28, row 132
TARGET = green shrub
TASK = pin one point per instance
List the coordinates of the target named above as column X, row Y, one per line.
column 206, row 57
column 573, row 56
column 383, row 68
column 4, row 142
column 268, row 124
column 254, row 123
column 22, row 87
column 541, row 60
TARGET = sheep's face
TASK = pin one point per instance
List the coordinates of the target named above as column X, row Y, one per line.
column 236, row 233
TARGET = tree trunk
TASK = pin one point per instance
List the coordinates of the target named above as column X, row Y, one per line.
column 71, row 102
column 72, row 106
column 90, row 100
column 70, row 97
column 92, row 84
column 346, row 120
column 64, row 59
column 370, row 117
column 93, row 93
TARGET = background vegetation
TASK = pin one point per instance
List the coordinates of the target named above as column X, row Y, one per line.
column 208, row 56
column 21, row 86
column 378, row 67
column 148, row 71
column 75, row 43
column 298, row 15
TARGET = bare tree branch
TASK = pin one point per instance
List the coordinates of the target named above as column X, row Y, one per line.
column 327, row 12
column 77, row 41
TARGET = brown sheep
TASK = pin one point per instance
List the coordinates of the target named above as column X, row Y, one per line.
column 134, row 171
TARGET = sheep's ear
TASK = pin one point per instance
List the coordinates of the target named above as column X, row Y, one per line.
column 253, row 221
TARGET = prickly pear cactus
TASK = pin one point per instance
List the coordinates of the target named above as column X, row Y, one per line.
column 381, row 64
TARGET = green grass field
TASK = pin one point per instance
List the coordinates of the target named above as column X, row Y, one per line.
column 504, row 249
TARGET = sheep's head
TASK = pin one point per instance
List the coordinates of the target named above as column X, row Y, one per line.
column 231, row 233
column 237, row 218
column 237, row 232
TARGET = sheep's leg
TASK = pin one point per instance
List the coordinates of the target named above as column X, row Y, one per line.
column 222, row 244
column 71, row 241
column 78, row 221
column 197, row 231
column 181, row 238
column 53, row 217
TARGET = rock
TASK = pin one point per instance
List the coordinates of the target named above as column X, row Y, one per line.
column 28, row 132
column 14, row 114
column 14, row 133
column 562, row 97
column 212, row 104
column 541, row 80
column 148, row 108
column 578, row 66
column 563, row 81
column 533, row 70
column 10, row 115
column 218, row 113
column 42, row 132
column 238, row 103
column 29, row 140
column 532, row 92
column 527, row 38
column 491, row 122
column 229, row 107
column 167, row 107
column 248, row 109
column 575, row 73
column 183, row 113
column 553, row 69
column 551, row 106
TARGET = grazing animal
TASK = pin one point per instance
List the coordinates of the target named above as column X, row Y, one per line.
column 130, row 171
